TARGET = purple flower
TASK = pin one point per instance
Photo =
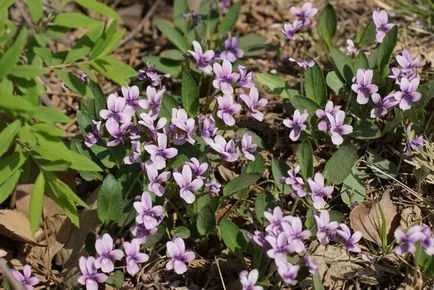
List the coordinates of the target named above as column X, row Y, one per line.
column 303, row 63
column 297, row 124
column 197, row 168
column 224, row 5
column 338, row 128
column 295, row 181
column 213, row 185
column 90, row 276
column 156, row 180
column 318, row 190
column 296, row 235
column 407, row 240
column 227, row 109
column 117, row 132
column 147, row 215
column 330, row 108
column 182, row 122
column 254, row 104
column 279, row 247
column 136, row 152
column 288, row 272
column 208, row 129
column 148, row 121
column 134, row 256
column 140, row 232
column 227, row 150
column 153, row 101
column 93, row 137
column 412, row 142
column 179, row 257
column 381, row 105
column 406, row 61
column 224, row 77
column 150, row 76
column 326, row 229
column 408, row 94
column 350, row 239
column 25, row 278
column 115, row 110
column 312, row 267
column 363, row 85
column 275, row 220
column 247, row 147
column 232, row 51
column 351, row 47
column 203, row 59
column 106, row 254
column 131, row 96
column 291, row 29
column 248, row 280
column 428, row 242
column 305, row 13
column 187, row 184
column 246, row 79
column 381, row 24
column 160, row 153
column 259, row 238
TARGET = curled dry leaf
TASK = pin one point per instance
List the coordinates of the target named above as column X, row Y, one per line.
column 368, row 218
column 16, row 226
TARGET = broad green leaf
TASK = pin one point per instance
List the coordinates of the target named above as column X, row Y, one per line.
column 182, row 232
column 16, row 106
column 116, row 279
column 317, row 282
column 7, row 187
column 172, row 54
column 240, row 182
column 7, row 136
column 302, row 103
column 343, row 64
column 169, row 102
column 114, row 69
column 110, row 200
column 9, row 59
column 327, row 24
column 315, row 85
column 366, row 130
column 205, row 221
column 108, row 42
column 229, row 20
column 10, row 164
column 4, row 4
column 252, row 44
column 164, row 65
column 263, row 202
column 353, row 189
column 334, row 82
column 84, row 45
column 74, row 20
column 257, row 165
column 190, row 94
column 427, row 93
column 82, row 163
column 180, row 7
column 366, row 35
column 26, row 71
column 78, row 146
column 382, row 167
column 340, row 164
column 37, row 202
column 279, row 169
column 36, row 9
column 305, row 158
column 99, row 7
column 50, row 115
column 275, row 84
column 385, row 49
column 172, row 34
column 232, row 236
column 360, row 62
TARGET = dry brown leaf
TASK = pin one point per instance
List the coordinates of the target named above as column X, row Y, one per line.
column 367, row 218
column 226, row 173
column 16, row 226
column 23, row 193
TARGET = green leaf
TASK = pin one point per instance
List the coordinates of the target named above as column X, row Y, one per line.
column 180, row 7
column 9, row 165
column 50, row 115
column 232, row 236
column 74, row 20
column 36, row 9
column 340, row 164
column 182, row 232
column 343, row 64
column 366, row 35
column 334, row 82
column 427, row 93
column 366, row 130
column 385, row 49
column 110, row 200
column 327, row 24
column 169, row 102
column 116, row 279
column 16, row 106
column 190, row 94
column 317, row 282
column 114, row 69
column 240, row 182
column 279, row 169
column 7, row 136
column 252, row 44
column 263, row 201
column 7, row 187
column 99, row 7
column 37, row 202
column 74, row 83
column 164, row 65
column 315, row 85
column 382, row 167
column 205, row 221
column 108, row 42
column 12, row 54
column 172, row 54
column 82, row 163
column 305, row 158
column 275, row 84
column 302, row 103
column 172, row 34
column 360, row 62
column 257, row 165
column 353, row 189
column 26, row 71
column 230, row 18
column 4, row 4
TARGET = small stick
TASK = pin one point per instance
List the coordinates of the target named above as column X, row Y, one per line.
column 220, row 273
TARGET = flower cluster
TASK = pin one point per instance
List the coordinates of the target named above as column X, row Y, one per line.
column 407, row 241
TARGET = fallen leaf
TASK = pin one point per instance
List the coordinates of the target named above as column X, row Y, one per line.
column 16, row 226
column 23, row 193
column 367, row 218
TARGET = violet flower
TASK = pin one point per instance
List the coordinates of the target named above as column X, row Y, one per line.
column 318, row 190
column 330, row 108
column 203, row 59
column 408, row 94
column 406, row 61
column 115, row 110
column 150, row 76
column 259, row 238
column 246, row 79
column 187, row 184
column 428, row 242
column 106, row 254
column 232, row 52
column 291, row 29
column 297, row 124
column 224, row 77
column 248, row 280
column 156, row 180
column 254, row 104
column 363, row 85
column 248, row 148
column 148, row 121
column 280, row 247
column 209, row 128
column 197, row 168
column 93, row 137
column 325, row 228
column 275, row 219
column 227, row 150
column 381, row 105
column 131, row 96
column 213, row 185
column 310, row 264
column 90, row 276
column 412, row 142
column 227, row 109
column 305, row 64
column 25, row 277
column 350, row 239
column 351, row 48
column 296, row 235
column 305, row 13
column 136, row 152
column 179, row 257
column 408, row 239
column 117, row 132
column 338, row 128
column 295, row 181
column 147, row 215
column 381, row 24
column 159, row 153
column 134, row 256
column 187, row 125
column 142, row 233
column 288, row 272
column 153, row 101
